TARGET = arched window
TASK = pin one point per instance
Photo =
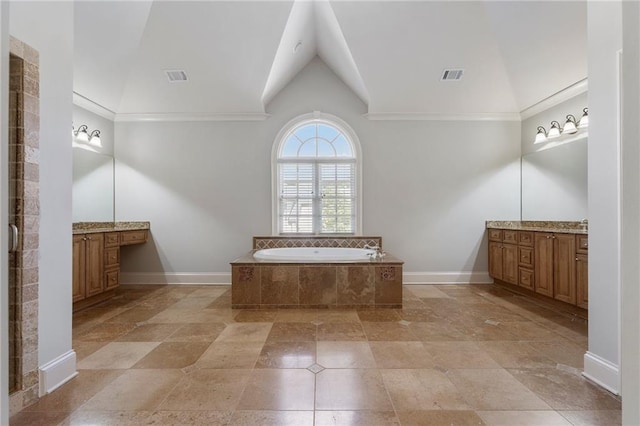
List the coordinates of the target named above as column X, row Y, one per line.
column 316, row 177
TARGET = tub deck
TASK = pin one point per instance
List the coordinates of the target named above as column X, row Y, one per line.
column 264, row 284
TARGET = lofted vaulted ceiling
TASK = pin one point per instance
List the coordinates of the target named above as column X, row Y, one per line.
column 239, row 54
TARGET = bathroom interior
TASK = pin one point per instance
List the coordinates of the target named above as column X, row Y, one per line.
column 182, row 179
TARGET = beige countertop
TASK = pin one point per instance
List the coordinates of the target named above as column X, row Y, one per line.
column 540, row 226
column 94, row 227
column 249, row 259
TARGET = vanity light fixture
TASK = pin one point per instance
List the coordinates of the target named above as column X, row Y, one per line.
column 584, row 121
column 554, row 130
column 541, row 136
column 81, row 134
column 94, row 139
column 570, row 126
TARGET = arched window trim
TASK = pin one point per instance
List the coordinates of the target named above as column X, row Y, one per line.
column 281, row 139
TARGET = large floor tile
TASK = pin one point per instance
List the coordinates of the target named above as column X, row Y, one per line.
column 401, row 355
column 351, row 331
column 272, row 418
column 207, row 389
column 437, row 332
column 245, row 332
column 594, row 418
column 564, row 390
column 279, row 389
column 149, row 333
column 173, row 355
column 566, row 353
column 197, row 332
column 388, row 331
column 137, row 418
column 230, row 355
column 352, row 389
column 77, row 391
column 422, row 390
column 440, row 417
column 459, row 355
column 134, row 315
column 117, row 355
column 292, row 332
column 135, row 390
column 426, row 291
column 345, row 355
column 523, row 418
column 487, row 389
column 186, row 316
column 287, row 355
column 105, row 332
column 45, row 418
column 516, row 355
column 356, row 418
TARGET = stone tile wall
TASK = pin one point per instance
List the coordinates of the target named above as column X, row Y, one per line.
column 280, row 242
column 24, row 143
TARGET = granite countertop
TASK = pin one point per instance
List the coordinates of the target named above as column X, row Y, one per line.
column 249, row 259
column 95, row 227
column 540, row 226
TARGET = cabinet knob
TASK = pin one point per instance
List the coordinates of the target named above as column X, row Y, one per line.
column 578, row 260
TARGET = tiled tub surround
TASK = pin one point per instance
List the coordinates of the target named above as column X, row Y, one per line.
column 540, row 226
column 264, row 284
column 281, row 242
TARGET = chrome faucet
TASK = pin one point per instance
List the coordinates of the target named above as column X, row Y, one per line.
column 377, row 255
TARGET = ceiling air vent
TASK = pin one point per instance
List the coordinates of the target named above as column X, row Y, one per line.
column 176, row 76
column 451, row 75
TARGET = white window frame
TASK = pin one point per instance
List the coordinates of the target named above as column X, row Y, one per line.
column 280, row 139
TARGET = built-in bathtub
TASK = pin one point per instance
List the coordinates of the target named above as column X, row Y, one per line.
column 315, row 254
column 316, row 273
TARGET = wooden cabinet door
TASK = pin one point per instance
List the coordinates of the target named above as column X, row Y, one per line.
column 543, row 263
column 495, row 260
column 582, row 281
column 79, row 268
column 564, row 268
column 510, row 263
column 95, row 264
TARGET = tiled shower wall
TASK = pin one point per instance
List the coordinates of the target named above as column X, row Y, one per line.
column 24, row 140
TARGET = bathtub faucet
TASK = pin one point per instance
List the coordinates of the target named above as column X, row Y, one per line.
column 378, row 254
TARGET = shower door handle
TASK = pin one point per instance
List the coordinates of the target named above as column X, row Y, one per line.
column 13, row 245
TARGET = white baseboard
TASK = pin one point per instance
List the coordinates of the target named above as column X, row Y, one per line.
column 211, row 278
column 602, row 372
column 57, row 372
column 222, row 278
column 446, row 278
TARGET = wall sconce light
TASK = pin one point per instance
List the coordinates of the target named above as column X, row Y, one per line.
column 554, row 130
column 81, row 134
column 541, row 136
column 584, row 121
column 94, row 139
column 570, row 126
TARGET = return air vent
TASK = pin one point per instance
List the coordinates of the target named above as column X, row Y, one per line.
column 176, row 76
column 451, row 75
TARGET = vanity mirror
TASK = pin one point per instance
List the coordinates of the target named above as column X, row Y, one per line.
column 93, row 186
column 554, row 182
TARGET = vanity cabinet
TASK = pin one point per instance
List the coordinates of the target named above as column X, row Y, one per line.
column 549, row 264
column 503, row 256
column 88, row 264
column 96, row 264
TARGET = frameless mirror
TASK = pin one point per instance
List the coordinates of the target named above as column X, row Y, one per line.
column 554, row 183
column 93, row 186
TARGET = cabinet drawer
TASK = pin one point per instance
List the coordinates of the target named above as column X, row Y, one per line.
column 111, row 279
column 111, row 256
column 495, row 235
column 112, row 239
column 133, row 237
column 525, row 256
column 525, row 238
column 526, row 278
column 582, row 243
column 510, row 237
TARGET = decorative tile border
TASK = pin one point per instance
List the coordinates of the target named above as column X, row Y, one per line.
column 260, row 243
column 24, row 147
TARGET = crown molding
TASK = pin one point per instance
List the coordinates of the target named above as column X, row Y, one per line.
column 556, row 99
column 411, row 116
column 204, row 116
column 93, row 107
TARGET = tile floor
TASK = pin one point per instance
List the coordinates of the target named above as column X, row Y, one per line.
column 463, row 355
